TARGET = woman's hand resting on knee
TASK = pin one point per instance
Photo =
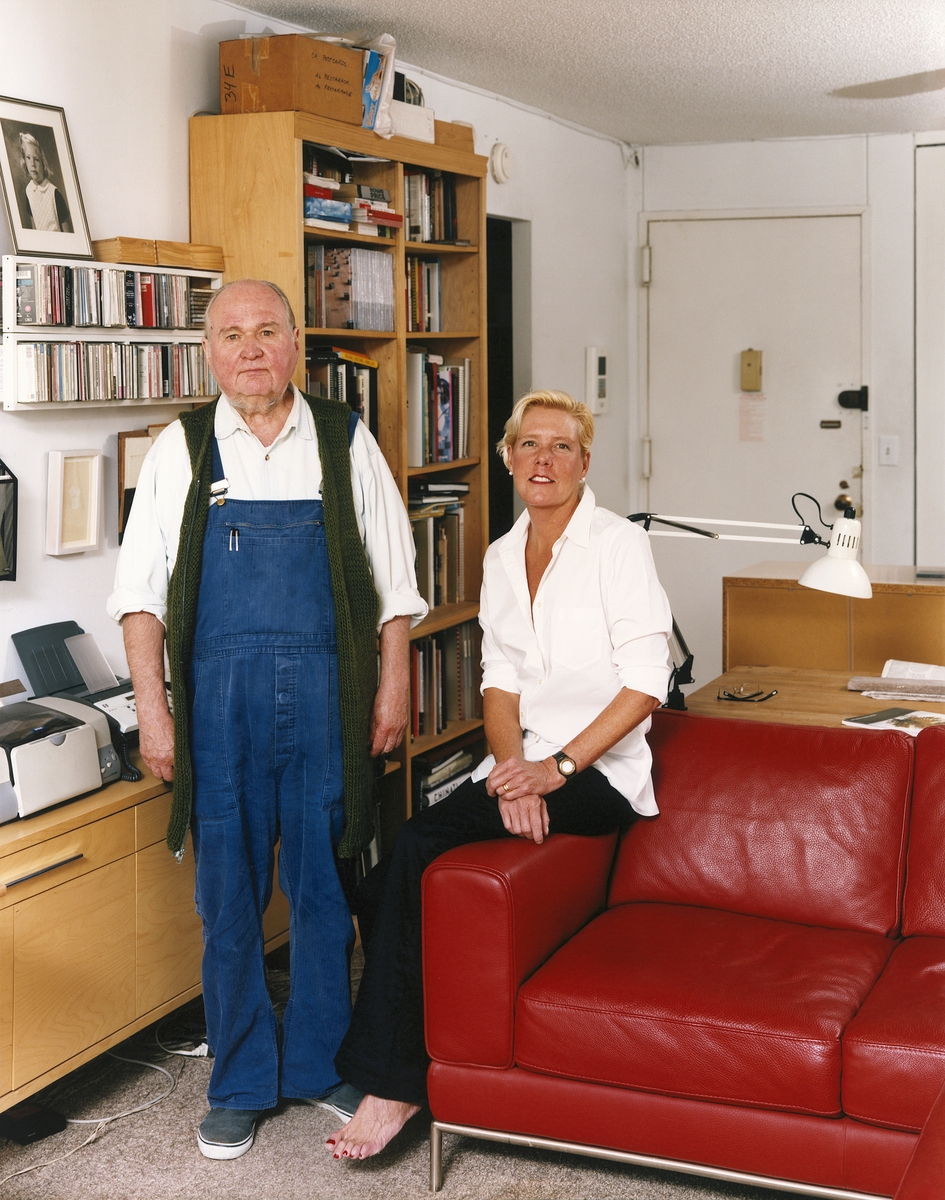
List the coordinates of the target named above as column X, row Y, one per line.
column 520, row 787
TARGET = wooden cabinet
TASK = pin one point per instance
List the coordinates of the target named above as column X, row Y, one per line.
column 102, row 940
column 246, row 195
column 768, row 619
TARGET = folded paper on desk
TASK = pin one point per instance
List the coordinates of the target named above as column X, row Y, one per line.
column 902, row 681
column 911, row 721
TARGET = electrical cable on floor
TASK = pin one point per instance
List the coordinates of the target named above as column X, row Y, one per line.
column 141, row 1107
column 101, row 1123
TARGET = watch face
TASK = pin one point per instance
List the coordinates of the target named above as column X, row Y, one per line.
column 566, row 766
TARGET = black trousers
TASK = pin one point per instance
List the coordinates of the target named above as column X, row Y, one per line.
column 384, row 1052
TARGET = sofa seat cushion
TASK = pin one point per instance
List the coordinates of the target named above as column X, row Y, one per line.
column 894, row 1048
column 700, row 1003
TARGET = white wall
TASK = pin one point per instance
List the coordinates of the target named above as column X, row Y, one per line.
column 876, row 172
column 129, row 75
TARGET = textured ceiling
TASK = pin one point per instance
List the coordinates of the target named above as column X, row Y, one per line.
column 663, row 71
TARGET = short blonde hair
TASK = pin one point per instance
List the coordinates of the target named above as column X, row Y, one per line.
column 547, row 399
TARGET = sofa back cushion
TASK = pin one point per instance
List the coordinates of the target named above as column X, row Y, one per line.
column 923, row 909
column 796, row 823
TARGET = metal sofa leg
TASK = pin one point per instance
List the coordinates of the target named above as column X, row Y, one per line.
column 436, row 1157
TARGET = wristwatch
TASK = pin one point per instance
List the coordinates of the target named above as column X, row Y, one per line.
column 566, row 765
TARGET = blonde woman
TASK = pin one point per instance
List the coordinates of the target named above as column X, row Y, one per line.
column 575, row 659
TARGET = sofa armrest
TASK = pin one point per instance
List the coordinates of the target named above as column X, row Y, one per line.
column 492, row 913
column 925, row 1175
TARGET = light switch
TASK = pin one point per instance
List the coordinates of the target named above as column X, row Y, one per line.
column 888, row 447
column 751, row 370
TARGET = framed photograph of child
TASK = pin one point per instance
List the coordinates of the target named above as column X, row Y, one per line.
column 40, row 186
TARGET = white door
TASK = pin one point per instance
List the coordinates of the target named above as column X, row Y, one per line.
column 790, row 287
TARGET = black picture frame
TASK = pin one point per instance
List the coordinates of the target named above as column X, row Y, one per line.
column 39, row 182
column 8, row 514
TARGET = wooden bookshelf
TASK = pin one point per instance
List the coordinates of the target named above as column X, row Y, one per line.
column 246, row 195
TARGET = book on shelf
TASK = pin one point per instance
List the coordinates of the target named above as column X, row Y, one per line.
column 439, row 532
column 439, row 772
column 363, row 191
column 327, row 210
column 430, row 202
column 445, row 674
column 338, row 373
column 437, row 408
column 424, row 314
column 334, row 226
column 350, row 287
column 106, row 297
column 64, row 372
column 326, row 162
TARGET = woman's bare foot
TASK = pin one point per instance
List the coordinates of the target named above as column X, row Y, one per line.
column 371, row 1127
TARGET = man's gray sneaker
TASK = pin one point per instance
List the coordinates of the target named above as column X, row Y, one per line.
column 227, row 1132
column 343, row 1101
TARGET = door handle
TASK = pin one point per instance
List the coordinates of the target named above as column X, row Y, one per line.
column 855, row 399
column 42, row 871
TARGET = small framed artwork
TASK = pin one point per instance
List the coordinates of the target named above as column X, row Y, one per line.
column 73, row 501
column 40, row 185
column 8, row 489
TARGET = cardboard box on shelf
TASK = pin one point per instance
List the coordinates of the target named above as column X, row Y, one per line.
column 291, row 72
column 458, row 135
column 146, row 252
column 135, row 251
column 189, row 254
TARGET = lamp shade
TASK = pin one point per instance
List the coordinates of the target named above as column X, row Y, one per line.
column 838, row 571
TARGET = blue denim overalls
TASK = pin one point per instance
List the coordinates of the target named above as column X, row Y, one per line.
column 267, row 756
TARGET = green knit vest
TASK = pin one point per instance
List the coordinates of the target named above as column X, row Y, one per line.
column 356, row 608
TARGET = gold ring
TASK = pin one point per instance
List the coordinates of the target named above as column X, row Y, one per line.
column 506, row 788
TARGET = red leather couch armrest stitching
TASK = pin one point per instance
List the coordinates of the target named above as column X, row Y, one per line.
column 925, row 1175
column 492, row 913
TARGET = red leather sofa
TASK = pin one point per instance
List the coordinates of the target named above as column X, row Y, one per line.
column 749, row 986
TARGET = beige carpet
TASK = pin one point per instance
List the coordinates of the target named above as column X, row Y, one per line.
column 153, row 1155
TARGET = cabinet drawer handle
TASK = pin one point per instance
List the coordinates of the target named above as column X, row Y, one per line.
column 42, row 871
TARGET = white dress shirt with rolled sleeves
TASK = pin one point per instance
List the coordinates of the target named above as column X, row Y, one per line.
column 289, row 469
column 600, row 622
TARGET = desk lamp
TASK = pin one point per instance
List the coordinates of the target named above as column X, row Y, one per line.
column 838, row 571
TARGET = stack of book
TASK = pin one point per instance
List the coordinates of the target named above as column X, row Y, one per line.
column 353, row 207
column 430, row 206
column 423, row 295
column 371, row 212
column 49, row 294
column 348, row 287
column 64, row 372
column 340, row 373
column 445, row 676
column 437, row 408
column 438, row 774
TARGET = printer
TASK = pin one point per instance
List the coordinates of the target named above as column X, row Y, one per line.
column 52, row 749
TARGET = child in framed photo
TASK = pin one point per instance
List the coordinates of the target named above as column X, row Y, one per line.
column 39, row 183
column 42, row 205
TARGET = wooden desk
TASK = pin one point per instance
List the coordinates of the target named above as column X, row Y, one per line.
column 805, row 697
column 767, row 618
column 103, row 943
